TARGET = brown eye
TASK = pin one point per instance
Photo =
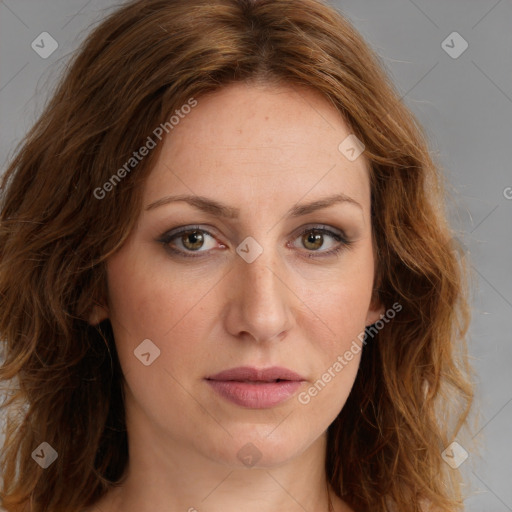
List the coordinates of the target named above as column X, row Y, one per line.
column 320, row 242
column 192, row 240
column 313, row 240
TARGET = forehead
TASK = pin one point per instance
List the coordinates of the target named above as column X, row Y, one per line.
column 259, row 143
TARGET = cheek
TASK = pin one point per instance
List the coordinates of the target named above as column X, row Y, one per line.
column 150, row 302
column 335, row 348
column 336, row 326
column 173, row 311
column 340, row 302
column 337, row 345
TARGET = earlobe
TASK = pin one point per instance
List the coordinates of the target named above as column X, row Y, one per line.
column 375, row 311
column 98, row 314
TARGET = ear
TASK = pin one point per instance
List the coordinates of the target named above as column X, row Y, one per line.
column 375, row 310
column 98, row 314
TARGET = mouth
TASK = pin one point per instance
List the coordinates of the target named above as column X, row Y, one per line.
column 255, row 388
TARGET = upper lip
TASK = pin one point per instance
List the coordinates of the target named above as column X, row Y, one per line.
column 251, row 374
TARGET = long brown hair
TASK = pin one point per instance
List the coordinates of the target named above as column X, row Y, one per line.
column 141, row 64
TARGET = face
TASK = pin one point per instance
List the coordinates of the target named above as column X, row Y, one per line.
column 248, row 298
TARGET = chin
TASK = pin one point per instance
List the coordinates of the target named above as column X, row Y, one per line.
column 260, row 446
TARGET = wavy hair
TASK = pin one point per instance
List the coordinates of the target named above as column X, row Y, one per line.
column 63, row 382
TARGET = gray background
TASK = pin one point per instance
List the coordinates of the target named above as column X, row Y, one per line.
column 465, row 105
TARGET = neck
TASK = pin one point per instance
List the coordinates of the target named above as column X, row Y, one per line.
column 170, row 476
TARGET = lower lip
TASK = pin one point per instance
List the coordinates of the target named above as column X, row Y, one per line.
column 255, row 395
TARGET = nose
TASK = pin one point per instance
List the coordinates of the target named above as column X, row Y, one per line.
column 260, row 300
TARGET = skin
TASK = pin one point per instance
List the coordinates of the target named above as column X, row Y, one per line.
column 261, row 149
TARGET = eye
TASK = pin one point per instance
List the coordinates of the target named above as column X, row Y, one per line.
column 314, row 238
column 187, row 240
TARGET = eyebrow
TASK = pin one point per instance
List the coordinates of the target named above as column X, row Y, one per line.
column 221, row 210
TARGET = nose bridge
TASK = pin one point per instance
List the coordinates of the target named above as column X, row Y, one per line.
column 261, row 280
column 261, row 306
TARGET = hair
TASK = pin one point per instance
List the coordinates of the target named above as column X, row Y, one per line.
column 142, row 62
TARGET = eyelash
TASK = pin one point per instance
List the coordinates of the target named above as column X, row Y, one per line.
column 168, row 237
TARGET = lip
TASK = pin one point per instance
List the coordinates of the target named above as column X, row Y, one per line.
column 256, row 388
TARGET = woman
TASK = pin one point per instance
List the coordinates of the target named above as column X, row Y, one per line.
column 227, row 279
